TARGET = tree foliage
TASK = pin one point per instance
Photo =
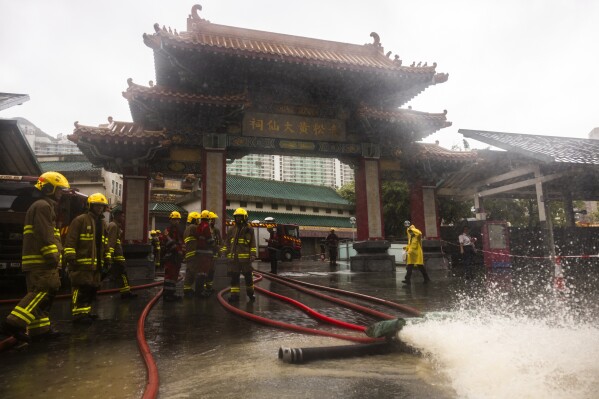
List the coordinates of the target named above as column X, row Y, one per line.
column 348, row 192
column 452, row 211
column 395, row 200
column 396, row 207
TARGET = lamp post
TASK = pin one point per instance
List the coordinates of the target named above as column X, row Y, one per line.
column 352, row 220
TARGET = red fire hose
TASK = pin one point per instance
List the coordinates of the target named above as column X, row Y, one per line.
column 288, row 326
column 407, row 309
column 103, row 292
column 153, row 382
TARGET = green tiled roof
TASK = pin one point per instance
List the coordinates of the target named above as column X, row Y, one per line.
column 68, row 166
column 273, row 189
column 299, row 219
column 166, row 208
column 161, row 207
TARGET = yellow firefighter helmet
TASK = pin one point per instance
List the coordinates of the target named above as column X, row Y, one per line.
column 174, row 215
column 49, row 181
column 192, row 216
column 97, row 198
column 205, row 214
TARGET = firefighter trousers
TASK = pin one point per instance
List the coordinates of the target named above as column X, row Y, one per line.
column 119, row 274
column 85, row 284
column 236, row 269
column 33, row 311
column 171, row 275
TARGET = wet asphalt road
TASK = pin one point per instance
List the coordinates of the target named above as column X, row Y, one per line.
column 203, row 351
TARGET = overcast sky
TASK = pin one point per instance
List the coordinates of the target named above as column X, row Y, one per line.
column 520, row 66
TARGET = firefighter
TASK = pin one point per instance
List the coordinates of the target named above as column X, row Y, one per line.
column 30, row 319
column 155, row 240
column 218, row 242
column 415, row 257
column 191, row 258
column 171, row 241
column 240, row 250
column 115, row 258
column 86, row 246
column 332, row 242
column 204, row 252
column 273, row 248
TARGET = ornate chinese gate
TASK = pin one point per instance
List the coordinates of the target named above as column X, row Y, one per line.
column 224, row 92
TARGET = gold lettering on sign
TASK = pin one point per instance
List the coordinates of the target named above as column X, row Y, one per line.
column 283, row 126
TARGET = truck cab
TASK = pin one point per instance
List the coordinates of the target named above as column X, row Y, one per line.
column 17, row 193
column 288, row 241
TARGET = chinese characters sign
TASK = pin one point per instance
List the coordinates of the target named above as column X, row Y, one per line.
column 292, row 127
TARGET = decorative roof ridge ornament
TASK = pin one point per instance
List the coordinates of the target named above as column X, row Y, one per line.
column 120, row 128
column 164, row 29
column 194, row 18
column 376, row 44
column 440, row 77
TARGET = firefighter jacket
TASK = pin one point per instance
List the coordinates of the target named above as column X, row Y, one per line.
column 190, row 241
column 414, row 247
column 156, row 244
column 218, row 240
column 115, row 247
column 172, row 243
column 41, row 238
column 240, row 243
column 86, row 243
column 332, row 241
column 205, row 242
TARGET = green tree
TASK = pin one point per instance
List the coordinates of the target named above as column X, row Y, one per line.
column 395, row 201
column 348, row 192
column 396, row 207
column 452, row 211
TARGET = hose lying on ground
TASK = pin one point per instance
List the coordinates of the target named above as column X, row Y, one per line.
column 350, row 305
column 312, row 312
column 102, row 292
column 407, row 309
column 288, row 326
column 153, row 382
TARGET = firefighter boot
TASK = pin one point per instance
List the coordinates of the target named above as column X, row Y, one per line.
column 48, row 335
column 188, row 294
column 128, row 295
column 20, row 334
column 234, row 298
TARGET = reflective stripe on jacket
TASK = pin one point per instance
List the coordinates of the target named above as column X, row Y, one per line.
column 115, row 247
column 80, row 246
column 41, row 238
column 190, row 241
column 240, row 243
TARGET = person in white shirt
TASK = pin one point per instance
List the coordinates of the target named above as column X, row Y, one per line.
column 467, row 250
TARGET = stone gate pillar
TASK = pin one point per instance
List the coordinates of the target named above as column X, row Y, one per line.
column 423, row 210
column 369, row 211
column 214, row 183
column 136, row 196
column 136, row 246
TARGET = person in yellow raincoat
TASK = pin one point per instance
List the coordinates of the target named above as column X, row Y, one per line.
column 414, row 255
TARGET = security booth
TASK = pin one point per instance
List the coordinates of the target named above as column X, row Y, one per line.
column 496, row 244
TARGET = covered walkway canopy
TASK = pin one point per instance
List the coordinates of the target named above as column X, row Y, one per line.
column 527, row 166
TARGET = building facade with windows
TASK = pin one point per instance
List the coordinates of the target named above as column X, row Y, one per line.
column 329, row 172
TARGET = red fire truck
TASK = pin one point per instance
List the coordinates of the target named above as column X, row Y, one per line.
column 289, row 242
column 17, row 193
